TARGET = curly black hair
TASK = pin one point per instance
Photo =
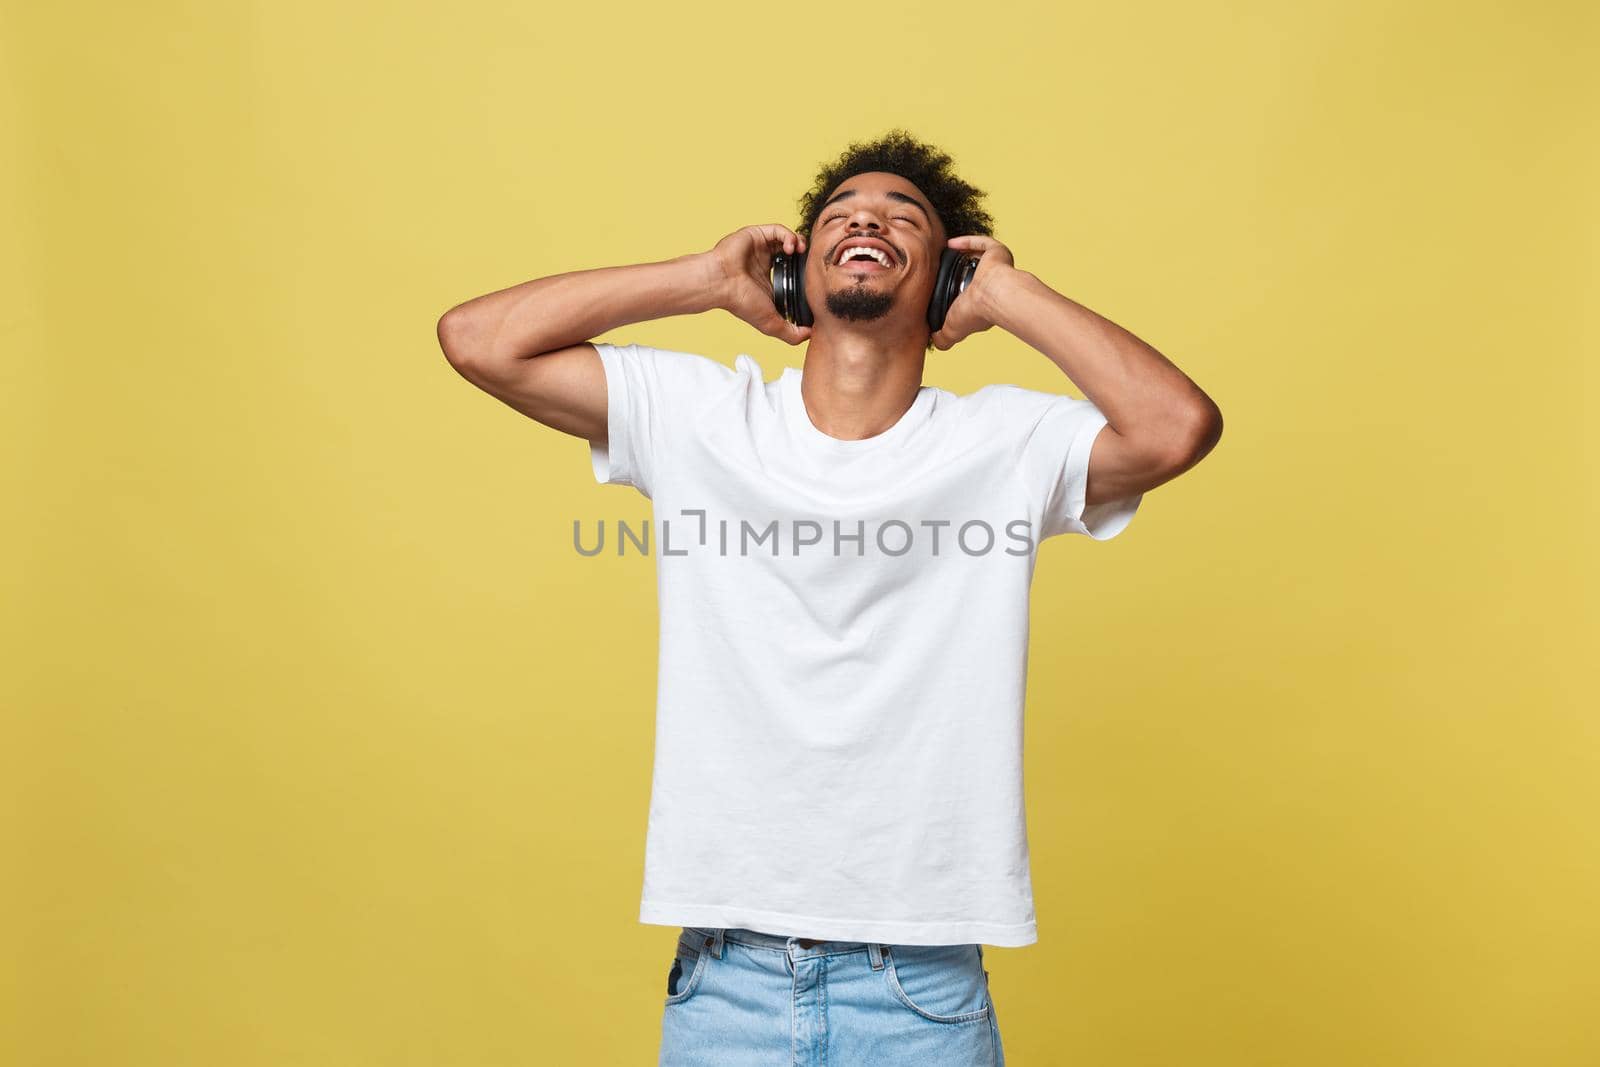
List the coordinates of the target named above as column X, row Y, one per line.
column 957, row 203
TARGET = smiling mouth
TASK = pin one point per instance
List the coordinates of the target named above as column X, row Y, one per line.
column 864, row 266
column 862, row 256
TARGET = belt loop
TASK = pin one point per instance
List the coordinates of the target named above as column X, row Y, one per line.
column 875, row 955
column 714, row 942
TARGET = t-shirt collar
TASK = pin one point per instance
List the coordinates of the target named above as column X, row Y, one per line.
column 795, row 408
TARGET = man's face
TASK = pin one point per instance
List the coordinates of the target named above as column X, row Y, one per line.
column 887, row 213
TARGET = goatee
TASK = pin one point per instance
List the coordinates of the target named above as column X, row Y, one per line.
column 858, row 303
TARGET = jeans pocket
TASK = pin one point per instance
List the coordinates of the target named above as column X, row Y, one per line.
column 942, row 983
column 689, row 961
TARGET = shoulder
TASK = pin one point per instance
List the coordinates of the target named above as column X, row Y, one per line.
column 664, row 361
column 668, row 374
column 1012, row 408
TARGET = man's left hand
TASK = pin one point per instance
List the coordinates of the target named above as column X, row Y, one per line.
column 973, row 310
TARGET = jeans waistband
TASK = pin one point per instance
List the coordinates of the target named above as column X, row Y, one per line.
column 789, row 945
column 713, row 938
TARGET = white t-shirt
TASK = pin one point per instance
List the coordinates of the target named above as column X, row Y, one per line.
column 843, row 646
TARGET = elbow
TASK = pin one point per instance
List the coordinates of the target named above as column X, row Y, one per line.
column 452, row 334
column 1187, row 440
column 1205, row 430
column 462, row 341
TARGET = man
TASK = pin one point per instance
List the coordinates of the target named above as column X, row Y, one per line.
column 844, row 557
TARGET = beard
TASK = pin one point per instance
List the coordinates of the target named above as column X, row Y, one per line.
column 858, row 303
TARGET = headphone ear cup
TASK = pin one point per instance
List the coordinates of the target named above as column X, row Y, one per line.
column 782, row 286
column 789, row 289
column 944, row 288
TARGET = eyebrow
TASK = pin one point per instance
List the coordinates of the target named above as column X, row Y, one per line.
column 892, row 194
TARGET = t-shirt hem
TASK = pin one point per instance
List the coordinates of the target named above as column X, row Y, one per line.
column 1104, row 520
column 825, row 928
column 609, row 458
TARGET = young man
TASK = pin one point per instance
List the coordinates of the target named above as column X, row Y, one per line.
column 844, row 557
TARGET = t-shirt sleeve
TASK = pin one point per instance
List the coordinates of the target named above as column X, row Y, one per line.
column 1058, row 435
column 652, row 395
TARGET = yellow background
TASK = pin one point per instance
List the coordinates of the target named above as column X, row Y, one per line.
column 323, row 747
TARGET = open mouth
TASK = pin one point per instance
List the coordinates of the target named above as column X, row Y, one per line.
column 864, row 258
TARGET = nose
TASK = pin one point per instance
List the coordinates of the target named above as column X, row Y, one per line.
column 863, row 214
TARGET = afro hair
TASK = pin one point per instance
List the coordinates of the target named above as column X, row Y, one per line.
column 958, row 204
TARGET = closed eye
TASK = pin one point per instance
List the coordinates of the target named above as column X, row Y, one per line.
column 897, row 218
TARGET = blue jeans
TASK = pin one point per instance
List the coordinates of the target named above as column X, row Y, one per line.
column 739, row 998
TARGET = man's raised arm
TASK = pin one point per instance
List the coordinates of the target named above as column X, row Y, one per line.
column 528, row 345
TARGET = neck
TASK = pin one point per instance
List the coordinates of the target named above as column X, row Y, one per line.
column 855, row 385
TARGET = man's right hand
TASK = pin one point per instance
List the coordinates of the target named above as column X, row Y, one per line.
column 742, row 264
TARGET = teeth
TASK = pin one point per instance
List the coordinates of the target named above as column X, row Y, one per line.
column 876, row 253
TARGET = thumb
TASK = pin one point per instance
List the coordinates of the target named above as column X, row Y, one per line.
column 788, row 332
column 775, row 325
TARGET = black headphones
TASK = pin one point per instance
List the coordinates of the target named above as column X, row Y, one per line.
column 789, row 291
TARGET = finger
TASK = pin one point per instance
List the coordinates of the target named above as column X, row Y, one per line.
column 774, row 237
column 777, row 232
